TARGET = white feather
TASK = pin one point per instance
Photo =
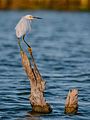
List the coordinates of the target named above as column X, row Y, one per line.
column 23, row 27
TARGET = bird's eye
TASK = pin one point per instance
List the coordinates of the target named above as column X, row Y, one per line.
column 30, row 16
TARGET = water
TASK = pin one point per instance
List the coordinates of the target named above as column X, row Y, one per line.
column 61, row 47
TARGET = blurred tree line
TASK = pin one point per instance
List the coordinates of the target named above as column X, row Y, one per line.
column 46, row 4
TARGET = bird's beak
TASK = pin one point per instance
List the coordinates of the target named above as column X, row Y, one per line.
column 36, row 17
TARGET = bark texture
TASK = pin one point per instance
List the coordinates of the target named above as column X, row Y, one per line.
column 37, row 99
column 71, row 105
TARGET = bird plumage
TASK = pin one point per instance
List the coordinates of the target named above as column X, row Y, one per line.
column 23, row 27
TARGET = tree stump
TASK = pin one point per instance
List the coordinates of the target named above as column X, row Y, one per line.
column 37, row 99
column 71, row 105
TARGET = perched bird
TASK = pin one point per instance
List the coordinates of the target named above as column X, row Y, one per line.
column 24, row 26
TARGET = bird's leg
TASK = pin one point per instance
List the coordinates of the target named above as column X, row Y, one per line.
column 25, row 41
column 30, row 49
column 19, row 45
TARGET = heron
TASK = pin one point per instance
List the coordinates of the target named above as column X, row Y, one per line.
column 24, row 27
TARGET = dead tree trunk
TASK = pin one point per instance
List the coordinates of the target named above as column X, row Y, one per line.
column 37, row 99
column 71, row 105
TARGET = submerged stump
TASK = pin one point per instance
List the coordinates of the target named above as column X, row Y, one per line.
column 71, row 105
column 36, row 98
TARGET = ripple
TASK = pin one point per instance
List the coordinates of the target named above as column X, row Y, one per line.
column 61, row 47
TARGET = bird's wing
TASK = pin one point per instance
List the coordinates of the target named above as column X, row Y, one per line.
column 23, row 27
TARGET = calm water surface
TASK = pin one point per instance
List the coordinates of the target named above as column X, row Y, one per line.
column 61, row 47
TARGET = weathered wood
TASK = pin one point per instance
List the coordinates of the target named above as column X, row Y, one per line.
column 37, row 99
column 71, row 105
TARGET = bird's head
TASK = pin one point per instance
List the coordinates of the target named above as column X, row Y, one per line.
column 30, row 17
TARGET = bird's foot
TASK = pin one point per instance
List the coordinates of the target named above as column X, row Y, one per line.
column 30, row 50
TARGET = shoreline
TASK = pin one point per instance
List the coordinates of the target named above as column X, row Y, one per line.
column 59, row 5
